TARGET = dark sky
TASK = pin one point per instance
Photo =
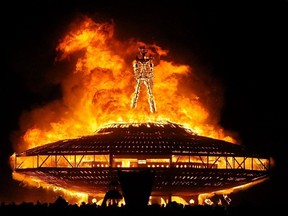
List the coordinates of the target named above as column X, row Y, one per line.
column 241, row 44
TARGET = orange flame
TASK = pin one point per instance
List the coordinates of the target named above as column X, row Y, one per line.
column 98, row 90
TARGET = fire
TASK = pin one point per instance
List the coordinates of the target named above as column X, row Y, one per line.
column 70, row 195
column 99, row 88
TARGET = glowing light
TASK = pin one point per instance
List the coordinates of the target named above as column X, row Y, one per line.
column 226, row 198
column 179, row 200
column 191, row 201
column 208, row 202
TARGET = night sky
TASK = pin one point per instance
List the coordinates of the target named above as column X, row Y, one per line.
column 240, row 44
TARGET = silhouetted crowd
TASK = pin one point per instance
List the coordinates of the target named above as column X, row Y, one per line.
column 61, row 206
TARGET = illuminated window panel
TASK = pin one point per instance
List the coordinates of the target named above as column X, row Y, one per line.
column 260, row 164
column 249, row 163
column 94, row 161
column 239, row 163
column 125, row 162
column 65, row 161
column 47, row 161
column 26, row 162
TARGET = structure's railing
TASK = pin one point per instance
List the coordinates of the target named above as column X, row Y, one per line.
column 175, row 161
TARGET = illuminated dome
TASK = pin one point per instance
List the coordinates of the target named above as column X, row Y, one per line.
column 184, row 163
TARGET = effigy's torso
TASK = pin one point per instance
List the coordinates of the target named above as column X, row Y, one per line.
column 143, row 69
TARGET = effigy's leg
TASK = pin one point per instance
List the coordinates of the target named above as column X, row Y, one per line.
column 151, row 100
column 136, row 95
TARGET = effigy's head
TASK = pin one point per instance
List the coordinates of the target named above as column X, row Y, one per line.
column 143, row 50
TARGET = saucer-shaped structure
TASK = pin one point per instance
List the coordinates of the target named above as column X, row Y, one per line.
column 183, row 162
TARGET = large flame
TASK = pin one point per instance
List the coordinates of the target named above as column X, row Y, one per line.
column 99, row 88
